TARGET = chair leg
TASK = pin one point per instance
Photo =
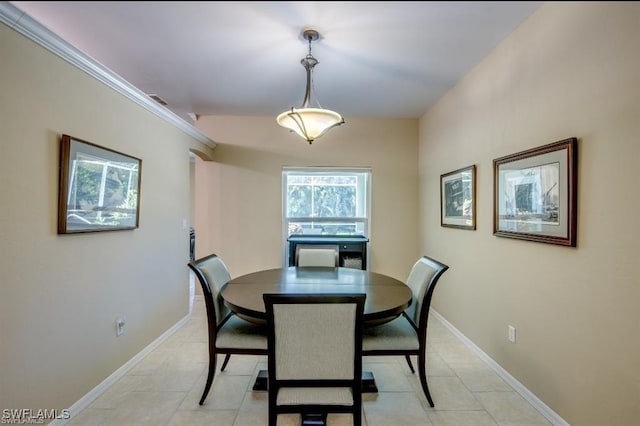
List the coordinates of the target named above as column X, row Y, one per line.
column 212, row 372
column 224, row 363
column 273, row 418
column 422, row 369
column 357, row 416
column 410, row 365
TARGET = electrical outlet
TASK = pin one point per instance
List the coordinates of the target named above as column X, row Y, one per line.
column 512, row 334
column 120, row 323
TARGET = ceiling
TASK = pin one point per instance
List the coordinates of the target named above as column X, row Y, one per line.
column 376, row 59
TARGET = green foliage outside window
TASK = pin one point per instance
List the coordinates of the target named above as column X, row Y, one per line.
column 333, row 202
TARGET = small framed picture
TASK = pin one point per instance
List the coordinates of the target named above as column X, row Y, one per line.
column 458, row 198
column 99, row 188
column 535, row 194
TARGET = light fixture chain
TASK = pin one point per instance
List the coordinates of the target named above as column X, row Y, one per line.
column 308, row 122
column 313, row 90
column 311, row 63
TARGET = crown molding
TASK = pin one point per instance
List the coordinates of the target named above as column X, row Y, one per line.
column 21, row 22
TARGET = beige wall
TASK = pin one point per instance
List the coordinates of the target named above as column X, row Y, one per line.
column 60, row 294
column 244, row 187
column 571, row 70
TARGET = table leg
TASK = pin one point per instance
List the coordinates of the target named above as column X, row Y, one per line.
column 368, row 382
column 261, row 381
column 314, row 420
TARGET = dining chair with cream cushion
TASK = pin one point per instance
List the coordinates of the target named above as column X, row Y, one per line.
column 317, row 255
column 315, row 354
column 228, row 334
column 407, row 334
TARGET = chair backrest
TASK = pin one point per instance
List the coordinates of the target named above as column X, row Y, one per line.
column 212, row 274
column 315, row 340
column 422, row 280
column 325, row 255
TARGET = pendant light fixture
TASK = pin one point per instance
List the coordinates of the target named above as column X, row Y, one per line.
column 308, row 122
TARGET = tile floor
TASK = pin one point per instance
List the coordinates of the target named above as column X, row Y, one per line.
column 164, row 389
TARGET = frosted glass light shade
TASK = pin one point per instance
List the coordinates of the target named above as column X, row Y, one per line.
column 310, row 123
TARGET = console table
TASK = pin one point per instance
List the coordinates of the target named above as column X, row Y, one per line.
column 352, row 248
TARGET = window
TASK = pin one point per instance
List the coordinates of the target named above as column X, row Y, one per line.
column 326, row 201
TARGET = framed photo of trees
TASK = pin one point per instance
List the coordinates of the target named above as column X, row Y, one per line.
column 535, row 194
column 458, row 198
column 99, row 188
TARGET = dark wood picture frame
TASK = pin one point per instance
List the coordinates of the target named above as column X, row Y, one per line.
column 458, row 198
column 535, row 194
column 99, row 188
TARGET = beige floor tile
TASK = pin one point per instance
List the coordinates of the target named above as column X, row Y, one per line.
column 437, row 330
column 395, row 408
column 262, row 364
column 94, row 417
column 510, row 409
column 174, row 342
column 478, row 377
column 166, row 386
column 145, row 408
column 192, row 400
column 455, row 352
column 255, row 402
column 436, row 366
column 450, row 393
column 195, row 331
column 118, row 393
column 151, row 363
column 242, row 365
column 261, row 418
column 461, row 418
column 340, row 419
column 391, row 377
column 169, row 380
column 227, row 392
column 200, row 334
column 203, row 418
column 255, row 418
column 187, row 357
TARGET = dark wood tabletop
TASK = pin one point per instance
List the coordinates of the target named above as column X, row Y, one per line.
column 387, row 297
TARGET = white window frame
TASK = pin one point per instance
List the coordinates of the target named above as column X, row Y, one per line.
column 366, row 214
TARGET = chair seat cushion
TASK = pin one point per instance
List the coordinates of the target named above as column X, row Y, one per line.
column 321, row 396
column 394, row 335
column 240, row 334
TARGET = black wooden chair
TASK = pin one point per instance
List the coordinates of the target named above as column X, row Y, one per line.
column 407, row 334
column 228, row 334
column 315, row 354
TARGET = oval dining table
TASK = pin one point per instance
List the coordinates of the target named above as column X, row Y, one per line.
column 386, row 299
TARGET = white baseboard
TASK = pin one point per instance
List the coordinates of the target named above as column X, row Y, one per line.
column 547, row 412
column 94, row 393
